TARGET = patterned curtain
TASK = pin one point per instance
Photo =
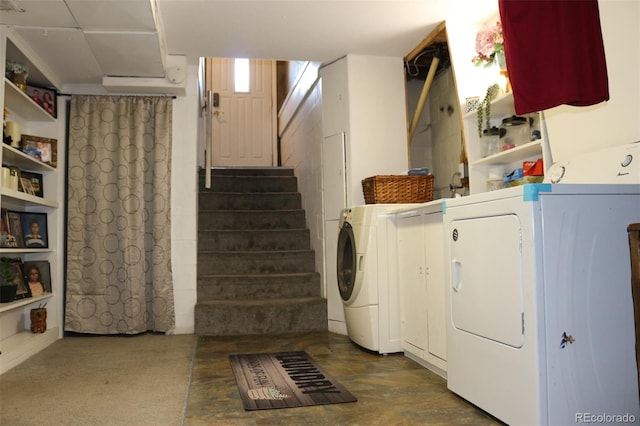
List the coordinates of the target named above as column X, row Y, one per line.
column 119, row 231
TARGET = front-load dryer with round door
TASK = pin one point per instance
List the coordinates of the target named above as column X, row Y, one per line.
column 367, row 276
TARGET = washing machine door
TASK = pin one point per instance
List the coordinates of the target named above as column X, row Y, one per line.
column 346, row 261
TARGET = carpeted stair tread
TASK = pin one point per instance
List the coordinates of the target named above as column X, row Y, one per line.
column 261, row 286
column 260, row 316
column 252, row 219
column 254, row 184
column 246, row 201
column 254, row 240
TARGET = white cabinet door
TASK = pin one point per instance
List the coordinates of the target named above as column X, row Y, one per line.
column 436, row 285
column 411, row 275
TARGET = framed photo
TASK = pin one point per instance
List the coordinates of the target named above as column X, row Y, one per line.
column 16, row 265
column 34, row 230
column 46, row 98
column 37, row 276
column 36, row 182
column 43, row 149
column 26, row 187
column 14, row 221
column 4, row 231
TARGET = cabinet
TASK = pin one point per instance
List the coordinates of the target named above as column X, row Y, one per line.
column 482, row 170
column 17, row 342
column 421, row 275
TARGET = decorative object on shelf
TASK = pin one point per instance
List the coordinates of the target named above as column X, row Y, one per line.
column 15, row 227
column 42, row 149
column 484, row 107
column 45, row 98
column 489, row 42
column 34, row 230
column 501, row 61
column 26, row 187
column 36, row 182
column 10, row 178
column 39, row 319
column 471, row 103
column 38, row 276
column 490, row 142
column 7, row 240
column 12, row 131
column 17, row 73
column 12, row 282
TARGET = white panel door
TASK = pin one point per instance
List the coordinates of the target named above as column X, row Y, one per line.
column 334, row 180
column 243, row 125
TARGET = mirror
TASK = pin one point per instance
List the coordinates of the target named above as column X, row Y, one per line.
column 435, row 137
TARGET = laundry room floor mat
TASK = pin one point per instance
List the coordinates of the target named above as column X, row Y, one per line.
column 285, row 380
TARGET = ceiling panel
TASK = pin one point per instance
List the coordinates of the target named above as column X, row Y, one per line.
column 66, row 52
column 40, row 13
column 113, row 14
column 129, row 54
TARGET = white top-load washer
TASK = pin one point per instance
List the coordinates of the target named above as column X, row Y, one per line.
column 541, row 322
column 367, row 276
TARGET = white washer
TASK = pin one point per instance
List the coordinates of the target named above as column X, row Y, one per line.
column 541, row 321
column 367, row 276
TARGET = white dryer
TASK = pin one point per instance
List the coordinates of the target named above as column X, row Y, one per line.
column 541, row 321
column 367, row 276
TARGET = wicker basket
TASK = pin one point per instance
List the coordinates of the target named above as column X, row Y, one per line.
column 392, row 189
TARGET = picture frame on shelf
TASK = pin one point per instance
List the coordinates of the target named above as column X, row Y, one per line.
column 37, row 276
column 36, row 181
column 26, row 186
column 14, row 221
column 4, row 231
column 45, row 98
column 34, row 230
column 42, row 149
column 15, row 264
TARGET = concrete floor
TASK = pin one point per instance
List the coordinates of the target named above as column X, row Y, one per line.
column 391, row 389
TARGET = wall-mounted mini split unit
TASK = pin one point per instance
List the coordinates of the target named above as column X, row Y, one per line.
column 173, row 83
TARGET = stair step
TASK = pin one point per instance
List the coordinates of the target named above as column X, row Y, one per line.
column 253, row 184
column 248, row 171
column 251, row 219
column 253, row 240
column 245, row 201
column 263, row 286
column 260, row 316
column 256, row 262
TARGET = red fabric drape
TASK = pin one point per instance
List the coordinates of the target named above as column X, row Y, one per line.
column 554, row 52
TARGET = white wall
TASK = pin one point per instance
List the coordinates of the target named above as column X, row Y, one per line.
column 574, row 130
column 184, row 202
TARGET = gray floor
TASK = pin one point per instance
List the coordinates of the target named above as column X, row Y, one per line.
column 184, row 380
column 391, row 389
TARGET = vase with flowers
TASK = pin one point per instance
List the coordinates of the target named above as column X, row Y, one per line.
column 17, row 73
column 490, row 52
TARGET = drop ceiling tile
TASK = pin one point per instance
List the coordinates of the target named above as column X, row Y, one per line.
column 40, row 13
column 127, row 54
column 113, row 14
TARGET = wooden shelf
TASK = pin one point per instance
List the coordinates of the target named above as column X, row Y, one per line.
column 5, row 307
column 19, row 159
column 511, row 155
column 19, row 199
column 20, row 346
column 18, row 101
